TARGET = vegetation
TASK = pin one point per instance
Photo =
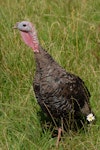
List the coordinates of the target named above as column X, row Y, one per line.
column 70, row 31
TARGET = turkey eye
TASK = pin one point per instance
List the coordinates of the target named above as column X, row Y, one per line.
column 24, row 25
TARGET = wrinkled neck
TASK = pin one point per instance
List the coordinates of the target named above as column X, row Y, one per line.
column 35, row 41
column 30, row 39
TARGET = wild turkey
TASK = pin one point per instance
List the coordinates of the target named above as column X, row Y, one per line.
column 61, row 95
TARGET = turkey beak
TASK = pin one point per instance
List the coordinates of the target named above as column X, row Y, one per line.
column 16, row 25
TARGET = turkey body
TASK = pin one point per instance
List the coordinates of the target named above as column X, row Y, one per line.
column 59, row 93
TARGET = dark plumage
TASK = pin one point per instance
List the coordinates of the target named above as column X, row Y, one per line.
column 57, row 91
column 61, row 95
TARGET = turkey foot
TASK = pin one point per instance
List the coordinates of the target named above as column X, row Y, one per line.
column 59, row 136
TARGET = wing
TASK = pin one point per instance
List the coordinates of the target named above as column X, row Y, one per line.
column 71, row 96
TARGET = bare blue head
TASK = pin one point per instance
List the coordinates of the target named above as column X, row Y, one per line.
column 24, row 26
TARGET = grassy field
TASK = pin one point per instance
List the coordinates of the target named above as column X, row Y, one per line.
column 70, row 31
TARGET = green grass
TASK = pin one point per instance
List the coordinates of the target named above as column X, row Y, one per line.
column 70, row 31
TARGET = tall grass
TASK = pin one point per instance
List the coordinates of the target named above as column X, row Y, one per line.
column 70, row 31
